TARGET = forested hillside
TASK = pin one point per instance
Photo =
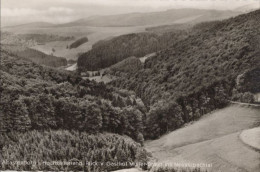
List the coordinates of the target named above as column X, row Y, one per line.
column 35, row 97
column 170, row 28
column 35, row 55
column 128, row 65
column 109, row 52
column 46, row 98
column 197, row 74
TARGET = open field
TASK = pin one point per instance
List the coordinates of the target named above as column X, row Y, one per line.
column 214, row 139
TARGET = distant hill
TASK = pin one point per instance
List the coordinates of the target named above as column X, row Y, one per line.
column 248, row 8
column 32, row 25
column 172, row 16
column 154, row 18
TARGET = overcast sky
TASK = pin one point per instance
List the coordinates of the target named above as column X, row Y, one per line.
column 61, row 11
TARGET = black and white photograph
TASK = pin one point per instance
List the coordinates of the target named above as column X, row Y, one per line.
column 130, row 85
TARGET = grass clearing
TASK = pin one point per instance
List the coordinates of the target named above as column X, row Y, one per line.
column 213, row 139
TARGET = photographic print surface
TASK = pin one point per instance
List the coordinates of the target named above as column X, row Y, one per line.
column 130, row 85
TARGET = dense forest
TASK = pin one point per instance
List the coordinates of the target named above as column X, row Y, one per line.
column 185, row 81
column 109, row 52
column 35, row 56
column 78, row 42
column 35, row 97
column 46, row 98
column 63, row 150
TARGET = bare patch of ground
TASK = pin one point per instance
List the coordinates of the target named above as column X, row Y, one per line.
column 72, row 67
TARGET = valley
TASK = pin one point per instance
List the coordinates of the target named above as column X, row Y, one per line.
column 94, row 35
column 179, row 86
column 95, row 31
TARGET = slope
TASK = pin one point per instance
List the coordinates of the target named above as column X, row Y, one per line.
column 39, row 97
column 229, row 48
column 214, row 139
column 130, row 64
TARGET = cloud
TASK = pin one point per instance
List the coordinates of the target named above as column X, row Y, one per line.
column 57, row 15
column 60, row 10
column 12, row 12
column 7, row 12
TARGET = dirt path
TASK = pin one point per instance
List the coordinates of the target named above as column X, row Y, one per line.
column 247, row 104
column 214, row 139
